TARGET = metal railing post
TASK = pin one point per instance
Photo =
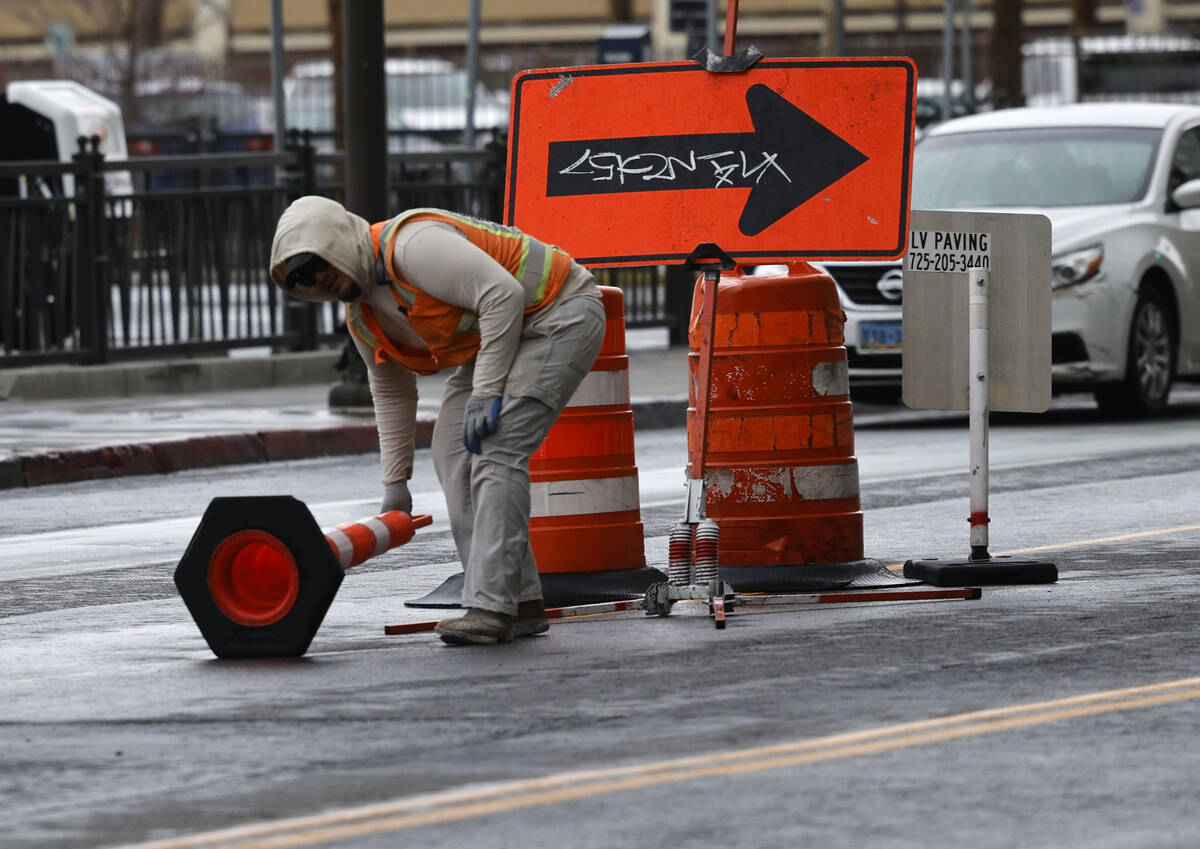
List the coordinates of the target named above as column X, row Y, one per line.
column 299, row 317
column 91, row 259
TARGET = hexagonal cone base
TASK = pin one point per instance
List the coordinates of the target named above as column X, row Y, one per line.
column 997, row 570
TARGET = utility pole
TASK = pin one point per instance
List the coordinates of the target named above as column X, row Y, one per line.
column 365, row 102
column 277, row 73
column 468, row 137
column 1006, row 54
column 336, row 48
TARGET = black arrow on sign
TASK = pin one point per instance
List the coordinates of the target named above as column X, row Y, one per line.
column 788, row 159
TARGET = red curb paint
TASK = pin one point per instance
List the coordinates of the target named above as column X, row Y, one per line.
column 88, row 464
column 201, row 452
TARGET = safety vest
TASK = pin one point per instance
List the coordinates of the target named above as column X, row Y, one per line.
column 451, row 332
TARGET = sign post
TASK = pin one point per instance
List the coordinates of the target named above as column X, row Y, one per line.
column 977, row 381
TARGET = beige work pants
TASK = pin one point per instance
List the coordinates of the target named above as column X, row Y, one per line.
column 488, row 493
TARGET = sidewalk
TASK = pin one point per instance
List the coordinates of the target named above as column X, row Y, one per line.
column 70, row 423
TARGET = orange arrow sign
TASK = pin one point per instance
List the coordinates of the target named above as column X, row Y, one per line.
column 638, row 164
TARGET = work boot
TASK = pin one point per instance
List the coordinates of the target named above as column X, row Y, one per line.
column 477, row 626
column 531, row 619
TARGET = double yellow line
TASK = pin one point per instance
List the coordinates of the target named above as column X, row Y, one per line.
column 505, row 797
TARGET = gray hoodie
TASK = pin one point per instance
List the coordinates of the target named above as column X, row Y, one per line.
column 322, row 226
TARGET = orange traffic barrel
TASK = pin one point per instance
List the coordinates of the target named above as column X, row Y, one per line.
column 781, row 478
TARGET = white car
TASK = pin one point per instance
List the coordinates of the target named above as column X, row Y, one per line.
column 1120, row 183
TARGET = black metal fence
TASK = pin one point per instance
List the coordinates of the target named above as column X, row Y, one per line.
column 168, row 255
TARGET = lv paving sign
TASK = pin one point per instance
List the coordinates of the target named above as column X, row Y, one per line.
column 638, row 164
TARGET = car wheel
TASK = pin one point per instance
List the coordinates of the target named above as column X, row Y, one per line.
column 1150, row 363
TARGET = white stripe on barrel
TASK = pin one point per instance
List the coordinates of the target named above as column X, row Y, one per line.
column 579, row 497
column 602, row 388
column 773, row 483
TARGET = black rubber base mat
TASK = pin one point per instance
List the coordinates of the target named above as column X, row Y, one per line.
column 998, row 570
column 561, row 588
column 812, row 577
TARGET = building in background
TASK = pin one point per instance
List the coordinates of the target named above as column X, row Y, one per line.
column 229, row 42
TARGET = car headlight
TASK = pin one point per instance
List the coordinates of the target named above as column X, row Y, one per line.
column 1076, row 267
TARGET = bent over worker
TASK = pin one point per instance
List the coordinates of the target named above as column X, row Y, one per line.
column 520, row 323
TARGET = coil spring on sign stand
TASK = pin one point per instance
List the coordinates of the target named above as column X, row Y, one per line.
column 708, row 536
column 679, row 555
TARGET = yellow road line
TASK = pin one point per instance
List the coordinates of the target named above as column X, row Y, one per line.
column 504, row 797
column 1182, row 529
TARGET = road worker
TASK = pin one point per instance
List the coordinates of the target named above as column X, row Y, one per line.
column 520, row 324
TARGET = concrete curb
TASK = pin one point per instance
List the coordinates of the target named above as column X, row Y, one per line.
column 199, row 452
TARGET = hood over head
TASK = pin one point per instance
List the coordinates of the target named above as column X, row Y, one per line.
column 318, row 225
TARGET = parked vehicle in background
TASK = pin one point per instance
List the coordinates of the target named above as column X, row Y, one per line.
column 192, row 103
column 1111, row 67
column 426, row 102
column 1120, row 184
column 43, row 120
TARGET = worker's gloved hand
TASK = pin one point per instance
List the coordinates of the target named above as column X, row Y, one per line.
column 480, row 419
column 396, row 497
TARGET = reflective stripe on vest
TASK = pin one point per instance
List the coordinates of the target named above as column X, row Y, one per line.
column 541, row 269
column 360, row 318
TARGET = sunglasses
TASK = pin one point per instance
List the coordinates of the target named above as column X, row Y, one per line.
column 302, row 270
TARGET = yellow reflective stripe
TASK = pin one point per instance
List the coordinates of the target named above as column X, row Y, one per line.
column 358, row 326
column 535, row 271
column 389, row 229
column 488, row 226
column 522, row 265
column 402, row 296
column 547, row 263
column 386, row 238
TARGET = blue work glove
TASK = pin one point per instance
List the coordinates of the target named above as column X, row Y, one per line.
column 480, row 419
column 396, row 497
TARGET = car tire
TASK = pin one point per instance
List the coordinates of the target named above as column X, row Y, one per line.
column 1149, row 363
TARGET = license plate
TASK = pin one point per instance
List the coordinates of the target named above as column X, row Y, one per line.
column 879, row 336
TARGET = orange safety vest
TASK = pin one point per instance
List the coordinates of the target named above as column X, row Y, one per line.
column 451, row 332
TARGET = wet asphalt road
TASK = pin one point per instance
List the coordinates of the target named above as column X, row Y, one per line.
column 1058, row 715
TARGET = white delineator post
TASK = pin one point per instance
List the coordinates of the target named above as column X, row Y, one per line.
column 977, row 403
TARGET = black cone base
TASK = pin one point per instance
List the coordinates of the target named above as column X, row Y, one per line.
column 997, row 570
